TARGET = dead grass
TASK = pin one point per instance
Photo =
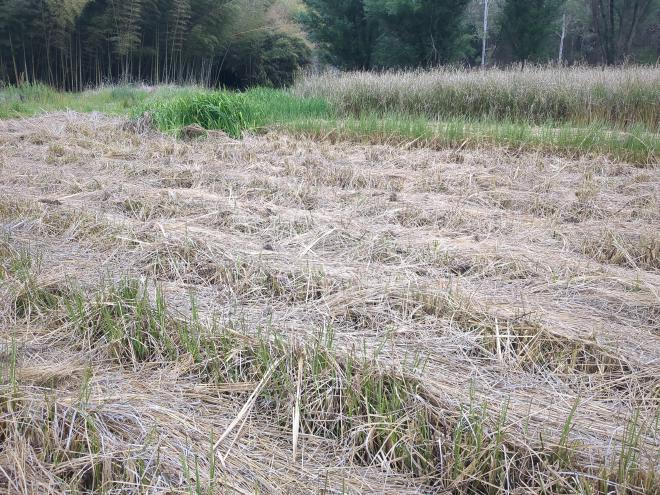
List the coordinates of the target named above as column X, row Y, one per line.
column 622, row 95
column 634, row 251
column 276, row 315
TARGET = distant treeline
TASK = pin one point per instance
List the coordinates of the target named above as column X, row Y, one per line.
column 373, row 34
column 76, row 43
column 72, row 44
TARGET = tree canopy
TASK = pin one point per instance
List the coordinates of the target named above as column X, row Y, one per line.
column 527, row 25
column 73, row 43
column 365, row 34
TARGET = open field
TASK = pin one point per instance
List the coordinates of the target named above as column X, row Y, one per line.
column 281, row 315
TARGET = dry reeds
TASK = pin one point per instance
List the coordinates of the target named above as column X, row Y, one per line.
column 620, row 96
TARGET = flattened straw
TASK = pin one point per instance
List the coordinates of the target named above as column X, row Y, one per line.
column 248, row 404
column 498, row 342
column 316, row 241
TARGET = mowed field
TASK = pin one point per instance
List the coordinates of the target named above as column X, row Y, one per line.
column 281, row 315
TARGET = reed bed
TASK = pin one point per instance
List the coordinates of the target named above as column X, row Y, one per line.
column 622, row 96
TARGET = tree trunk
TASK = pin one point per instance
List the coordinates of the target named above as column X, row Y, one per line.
column 561, row 40
column 13, row 59
column 638, row 11
column 611, row 48
column 485, row 37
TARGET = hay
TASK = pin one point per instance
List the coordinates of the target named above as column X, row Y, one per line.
column 509, row 346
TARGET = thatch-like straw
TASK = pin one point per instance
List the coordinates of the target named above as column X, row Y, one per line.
column 276, row 315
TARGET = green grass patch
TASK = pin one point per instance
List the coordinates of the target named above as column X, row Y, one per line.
column 29, row 100
column 635, row 145
column 229, row 112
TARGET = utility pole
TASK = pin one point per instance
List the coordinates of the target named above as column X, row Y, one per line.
column 561, row 40
column 483, row 43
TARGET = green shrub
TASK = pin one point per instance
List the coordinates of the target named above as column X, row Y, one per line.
column 266, row 59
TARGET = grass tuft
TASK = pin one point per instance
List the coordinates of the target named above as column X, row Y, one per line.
column 228, row 112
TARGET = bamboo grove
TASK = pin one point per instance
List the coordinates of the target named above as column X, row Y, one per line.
column 72, row 44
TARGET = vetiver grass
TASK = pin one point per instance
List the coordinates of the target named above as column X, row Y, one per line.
column 231, row 112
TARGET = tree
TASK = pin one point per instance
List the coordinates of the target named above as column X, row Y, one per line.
column 126, row 17
column 615, row 23
column 425, row 32
column 343, row 31
column 266, row 58
column 178, row 17
column 526, row 25
column 364, row 34
column 484, row 38
column 481, row 17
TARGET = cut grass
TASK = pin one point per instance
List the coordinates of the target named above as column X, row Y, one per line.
column 441, row 339
column 382, row 415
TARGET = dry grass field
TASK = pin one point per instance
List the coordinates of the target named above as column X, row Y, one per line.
column 620, row 96
column 280, row 315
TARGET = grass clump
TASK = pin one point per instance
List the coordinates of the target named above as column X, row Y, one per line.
column 221, row 110
column 231, row 112
column 122, row 317
column 635, row 251
column 30, row 297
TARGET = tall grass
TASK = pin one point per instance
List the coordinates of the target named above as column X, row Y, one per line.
column 580, row 95
column 229, row 111
column 210, row 110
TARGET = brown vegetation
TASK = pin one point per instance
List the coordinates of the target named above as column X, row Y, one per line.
column 276, row 315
